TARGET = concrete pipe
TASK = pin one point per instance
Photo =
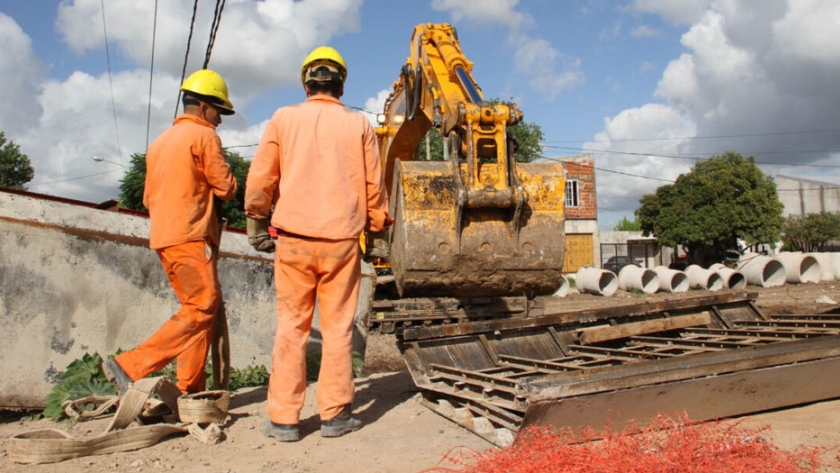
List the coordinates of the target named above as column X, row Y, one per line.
column 634, row 278
column 564, row 288
column 597, row 281
column 761, row 270
column 835, row 265
column 671, row 280
column 826, row 266
column 732, row 279
column 702, row 278
column 799, row 268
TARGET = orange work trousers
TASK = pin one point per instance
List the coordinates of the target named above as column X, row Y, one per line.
column 186, row 336
column 306, row 269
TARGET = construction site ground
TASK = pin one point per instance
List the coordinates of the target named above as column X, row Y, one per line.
column 399, row 434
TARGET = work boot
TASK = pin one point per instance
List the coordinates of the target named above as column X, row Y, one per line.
column 115, row 374
column 281, row 432
column 343, row 423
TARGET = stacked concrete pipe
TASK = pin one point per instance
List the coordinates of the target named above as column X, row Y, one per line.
column 671, row 280
column 799, row 268
column 564, row 288
column 761, row 270
column 835, row 265
column 826, row 265
column 702, row 278
column 634, row 278
column 732, row 279
column 597, row 281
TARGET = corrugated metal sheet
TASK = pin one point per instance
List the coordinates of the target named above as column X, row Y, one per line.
column 578, row 252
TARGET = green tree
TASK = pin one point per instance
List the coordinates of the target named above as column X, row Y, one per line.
column 528, row 137
column 706, row 210
column 134, row 182
column 810, row 232
column 15, row 167
column 627, row 225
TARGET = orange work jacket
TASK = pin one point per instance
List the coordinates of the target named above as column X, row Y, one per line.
column 318, row 163
column 185, row 168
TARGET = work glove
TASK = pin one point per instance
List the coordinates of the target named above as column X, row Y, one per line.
column 258, row 235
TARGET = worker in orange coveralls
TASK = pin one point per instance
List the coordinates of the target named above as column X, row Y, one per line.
column 185, row 169
column 318, row 165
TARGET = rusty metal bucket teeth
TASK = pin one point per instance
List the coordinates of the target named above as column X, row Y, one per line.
column 477, row 252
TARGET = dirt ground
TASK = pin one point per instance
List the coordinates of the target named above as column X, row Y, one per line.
column 399, row 434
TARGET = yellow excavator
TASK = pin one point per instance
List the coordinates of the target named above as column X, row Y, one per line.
column 475, row 224
column 477, row 236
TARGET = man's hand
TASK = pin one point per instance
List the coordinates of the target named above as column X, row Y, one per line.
column 258, row 235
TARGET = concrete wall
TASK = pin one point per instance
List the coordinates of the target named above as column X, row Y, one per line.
column 75, row 279
column 644, row 249
column 800, row 196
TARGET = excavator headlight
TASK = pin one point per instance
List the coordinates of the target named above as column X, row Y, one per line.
column 381, row 118
column 399, row 119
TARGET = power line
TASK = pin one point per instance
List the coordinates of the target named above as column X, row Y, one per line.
column 187, row 54
column 700, row 156
column 111, row 81
column 151, row 76
column 73, row 178
column 709, row 137
column 214, row 28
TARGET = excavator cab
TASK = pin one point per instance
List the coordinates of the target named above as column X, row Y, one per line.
column 477, row 223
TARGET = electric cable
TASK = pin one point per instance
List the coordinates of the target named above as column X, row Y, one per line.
column 186, row 55
column 214, row 28
column 111, row 81
column 151, row 76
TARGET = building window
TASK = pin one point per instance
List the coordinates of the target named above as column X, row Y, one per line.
column 572, row 196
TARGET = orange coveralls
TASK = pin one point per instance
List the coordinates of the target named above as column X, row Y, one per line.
column 185, row 168
column 318, row 164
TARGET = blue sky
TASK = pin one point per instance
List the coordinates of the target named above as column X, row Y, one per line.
column 648, row 86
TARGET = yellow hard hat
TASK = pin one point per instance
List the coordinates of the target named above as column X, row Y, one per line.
column 211, row 85
column 324, row 54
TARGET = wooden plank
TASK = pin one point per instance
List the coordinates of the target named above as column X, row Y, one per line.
column 730, row 301
column 701, row 399
column 633, row 375
column 592, row 335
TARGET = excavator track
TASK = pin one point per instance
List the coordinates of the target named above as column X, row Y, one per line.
column 391, row 316
column 709, row 357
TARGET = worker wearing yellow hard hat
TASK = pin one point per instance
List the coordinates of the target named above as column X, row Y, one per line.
column 335, row 67
column 318, row 166
column 208, row 86
column 186, row 178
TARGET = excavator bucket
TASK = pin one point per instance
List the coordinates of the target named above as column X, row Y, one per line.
column 442, row 247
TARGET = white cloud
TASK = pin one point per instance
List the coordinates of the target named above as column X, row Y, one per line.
column 807, row 31
column 675, row 11
column 546, row 68
column 20, row 74
column 616, row 150
column 644, row 31
column 502, row 12
column 538, row 60
column 754, row 76
column 79, row 121
column 375, row 105
column 256, row 43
